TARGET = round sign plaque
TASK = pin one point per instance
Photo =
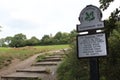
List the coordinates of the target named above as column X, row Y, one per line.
column 90, row 18
column 90, row 13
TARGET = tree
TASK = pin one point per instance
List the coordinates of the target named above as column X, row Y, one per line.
column 110, row 24
column 113, row 60
column 18, row 40
column 33, row 41
column 73, row 34
column 2, row 42
column 61, row 38
column 8, row 40
column 46, row 40
column 109, row 65
column 65, row 38
column 57, row 38
column 105, row 3
column 114, row 17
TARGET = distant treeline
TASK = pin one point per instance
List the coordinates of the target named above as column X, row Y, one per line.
column 20, row 40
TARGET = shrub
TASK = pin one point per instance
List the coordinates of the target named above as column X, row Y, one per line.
column 113, row 60
column 72, row 68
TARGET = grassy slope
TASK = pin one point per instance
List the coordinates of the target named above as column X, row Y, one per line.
column 7, row 54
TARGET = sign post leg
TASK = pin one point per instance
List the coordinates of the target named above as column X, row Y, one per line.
column 94, row 69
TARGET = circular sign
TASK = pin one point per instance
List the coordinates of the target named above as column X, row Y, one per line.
column 90, row 13
column 90, row 18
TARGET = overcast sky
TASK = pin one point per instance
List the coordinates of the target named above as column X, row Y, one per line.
column 40, row 17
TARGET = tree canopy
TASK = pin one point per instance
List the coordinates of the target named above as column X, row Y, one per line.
column 20, row 40
column 110, row 24
column 105, row 3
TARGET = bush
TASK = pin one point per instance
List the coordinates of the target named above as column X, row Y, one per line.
column 73, row 68
column 109, row 66
column 113, row 60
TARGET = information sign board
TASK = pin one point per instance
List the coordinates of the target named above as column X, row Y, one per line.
column 91, row 45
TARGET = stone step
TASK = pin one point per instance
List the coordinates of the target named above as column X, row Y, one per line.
column 45, row 64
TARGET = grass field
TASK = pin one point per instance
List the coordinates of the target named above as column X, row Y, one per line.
column 8, row 54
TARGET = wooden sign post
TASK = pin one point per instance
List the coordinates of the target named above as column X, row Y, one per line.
column 93, row 44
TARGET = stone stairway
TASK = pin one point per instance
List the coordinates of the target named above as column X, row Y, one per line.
column 43, row 70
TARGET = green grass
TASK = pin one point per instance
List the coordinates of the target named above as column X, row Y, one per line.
column 40, row 58
column 52, row 47
column 8, row 54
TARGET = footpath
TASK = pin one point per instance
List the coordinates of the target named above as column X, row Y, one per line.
column 32, row 70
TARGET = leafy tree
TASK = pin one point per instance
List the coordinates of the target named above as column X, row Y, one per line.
column 112, row 69
column 46, row 40
column 2, row 42
column 18, row 40
column 65, row 38
column 109, row 66
column 61, row 38
column 57, row 37
column 105, row 3
column 33, row 41
column 73, row 34
column 8, row 40
column 110, row 24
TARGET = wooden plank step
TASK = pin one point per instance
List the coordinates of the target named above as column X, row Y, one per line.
column 21, row 75
column 54, row 56
column 59, row 54
column 45, row 64
column 51, row 59
column 41, row 67
column 33, row 70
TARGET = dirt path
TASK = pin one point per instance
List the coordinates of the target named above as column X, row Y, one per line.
column 30, row 65
column 17, row 64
